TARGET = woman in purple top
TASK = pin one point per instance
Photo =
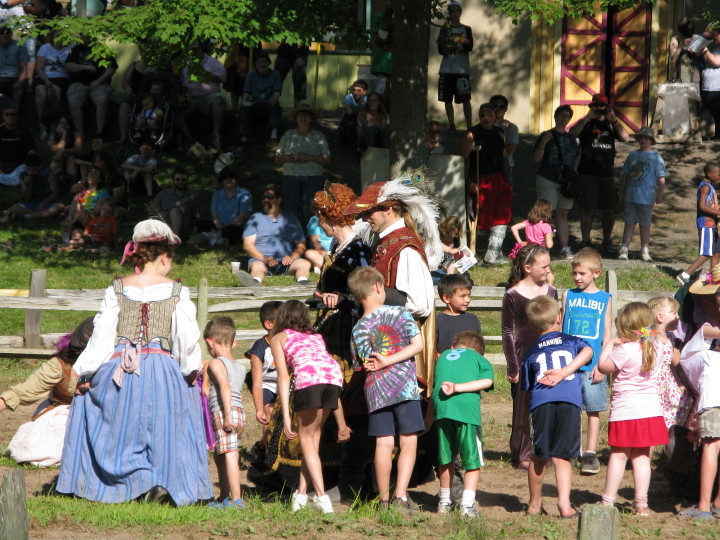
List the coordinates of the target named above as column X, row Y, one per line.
column 528, row 279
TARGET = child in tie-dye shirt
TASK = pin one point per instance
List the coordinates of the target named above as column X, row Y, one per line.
column 385, row 341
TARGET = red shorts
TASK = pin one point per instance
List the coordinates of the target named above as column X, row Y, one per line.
column 639, row 433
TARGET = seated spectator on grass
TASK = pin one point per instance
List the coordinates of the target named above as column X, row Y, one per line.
column 40, row 441
column 178, row 205
column 275, row 242
column 354, row 103
column 13, row 66
column 204, row 95
column 52, row 80
column 84, row 158
column 16, row 142
column 63, row 145
column 139, row 170
column 261, row 99
column 89, row 78
column 40, row 197
column 115, row 183
column 98, row 236
column 319, row 244
column 89, row 200
column 231, row 206
column 373, row 125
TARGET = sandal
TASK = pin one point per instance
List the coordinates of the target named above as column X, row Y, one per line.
column 541, row 512
column 694, row 513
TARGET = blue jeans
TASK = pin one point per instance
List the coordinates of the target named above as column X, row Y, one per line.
column 298, row 194
column 258, row 113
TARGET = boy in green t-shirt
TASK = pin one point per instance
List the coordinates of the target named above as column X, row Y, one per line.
column 460, row 374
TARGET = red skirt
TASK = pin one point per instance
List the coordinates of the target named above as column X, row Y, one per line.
column 639, row 433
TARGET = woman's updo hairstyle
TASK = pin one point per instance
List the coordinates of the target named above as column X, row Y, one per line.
column 149, row 251
column 332, row 201
column 151, row 238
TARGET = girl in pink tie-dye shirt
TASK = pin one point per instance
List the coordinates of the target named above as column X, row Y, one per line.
column 318, row 380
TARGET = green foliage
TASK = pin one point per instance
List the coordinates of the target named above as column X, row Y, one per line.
column 165, row 30
column 554, row 10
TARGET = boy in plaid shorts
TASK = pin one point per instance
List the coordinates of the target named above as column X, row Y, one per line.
column 228, row 418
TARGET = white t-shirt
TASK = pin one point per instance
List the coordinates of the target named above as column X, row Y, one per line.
column 54, row 61
column 634, row 392
column 702, row 367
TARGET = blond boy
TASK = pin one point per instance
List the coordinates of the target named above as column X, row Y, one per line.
column 587, row 313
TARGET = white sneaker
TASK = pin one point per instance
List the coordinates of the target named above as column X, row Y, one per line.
column 444, row 507
column 567, row 252
column 324, row 504
column 623, row 253
column 645, row 255
column 298, row 501
column 469, row 511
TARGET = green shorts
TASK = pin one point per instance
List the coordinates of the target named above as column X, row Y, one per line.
column 458, row 438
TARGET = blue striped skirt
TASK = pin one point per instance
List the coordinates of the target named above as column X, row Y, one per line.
column 121, row 441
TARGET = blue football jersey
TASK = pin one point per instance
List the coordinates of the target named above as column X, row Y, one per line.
column 553, row 350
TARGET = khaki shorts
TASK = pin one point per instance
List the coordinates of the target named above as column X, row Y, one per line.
column 78, row 92
column 203, row 103
column 550, row 191
column 710, row 423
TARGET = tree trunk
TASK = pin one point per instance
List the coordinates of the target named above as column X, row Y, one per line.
column 408, row 93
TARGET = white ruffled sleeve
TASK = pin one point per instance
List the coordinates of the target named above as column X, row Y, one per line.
column 102, row 342
column 413, row 278
column 186, row 334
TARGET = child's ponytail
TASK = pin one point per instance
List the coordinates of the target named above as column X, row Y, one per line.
column 634, row 322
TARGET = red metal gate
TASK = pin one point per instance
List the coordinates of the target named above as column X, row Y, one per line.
column 608, row 53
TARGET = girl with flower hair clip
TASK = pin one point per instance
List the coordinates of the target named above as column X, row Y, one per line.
column 636, row 420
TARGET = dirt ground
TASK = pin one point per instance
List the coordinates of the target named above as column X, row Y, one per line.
column 503, row 491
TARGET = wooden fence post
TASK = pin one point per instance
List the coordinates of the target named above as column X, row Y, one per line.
column 612, row 288
column 599, row 523
column 202, row 312
column 13, row 506
column 33, row 316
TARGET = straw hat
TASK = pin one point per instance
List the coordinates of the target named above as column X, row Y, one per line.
column 708, row 283
column 303, row 107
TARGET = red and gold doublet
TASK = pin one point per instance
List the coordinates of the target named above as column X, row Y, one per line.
column 387, row 251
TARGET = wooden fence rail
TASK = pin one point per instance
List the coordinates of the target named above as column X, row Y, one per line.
column 210, row 300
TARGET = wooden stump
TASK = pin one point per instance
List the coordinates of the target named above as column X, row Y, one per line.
column 13, row 506
column 599, row 523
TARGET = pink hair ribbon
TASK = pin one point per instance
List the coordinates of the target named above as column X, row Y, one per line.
column 130, row 249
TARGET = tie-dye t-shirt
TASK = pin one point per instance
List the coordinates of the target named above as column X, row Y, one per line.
column 387, row 330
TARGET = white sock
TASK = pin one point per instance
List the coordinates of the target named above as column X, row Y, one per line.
column 468, row 497
column 445, row 495
column 302, row 280
column 257, row 279
column 685, row 275
column 273, row 133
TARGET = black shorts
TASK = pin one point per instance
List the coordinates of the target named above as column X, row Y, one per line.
column 317, row 396
column 451, row 85
column 598, row 192
column 268, row 396
column 556, row 430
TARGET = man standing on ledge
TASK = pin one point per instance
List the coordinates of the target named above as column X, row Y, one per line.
column 598, row 131
column 407, row 248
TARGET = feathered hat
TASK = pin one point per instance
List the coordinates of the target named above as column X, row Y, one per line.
column 414, row 192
